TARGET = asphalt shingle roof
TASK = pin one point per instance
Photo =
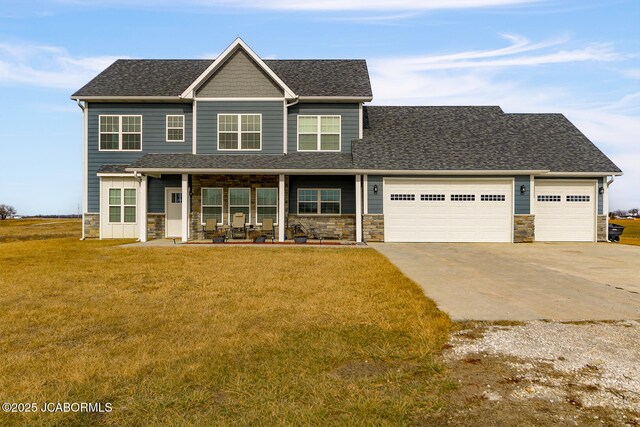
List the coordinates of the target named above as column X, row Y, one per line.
column 473, row 138
column 245, row 161
column 170, row 77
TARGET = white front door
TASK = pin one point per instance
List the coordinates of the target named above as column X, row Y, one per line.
column 173, row 211
column 565, row 211
column 448, row 210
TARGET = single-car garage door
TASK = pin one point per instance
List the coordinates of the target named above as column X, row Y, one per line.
column 565, row 211
column 420, row 210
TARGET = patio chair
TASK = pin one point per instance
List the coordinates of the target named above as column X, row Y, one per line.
column 238, row 227
column 210, row 227
column 268, row 229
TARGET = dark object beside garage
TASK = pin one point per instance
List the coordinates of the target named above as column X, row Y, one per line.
column 615, row 231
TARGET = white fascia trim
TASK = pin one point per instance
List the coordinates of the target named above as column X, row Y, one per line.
column 583, row 174
column 335, row 98
column 331, row 171
column 128, row 98
column 221, row 59
column 116, row 175
column 247, row 99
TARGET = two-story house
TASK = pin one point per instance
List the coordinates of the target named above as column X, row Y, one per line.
column 171, row 143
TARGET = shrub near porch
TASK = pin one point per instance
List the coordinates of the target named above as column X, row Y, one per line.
column 194, row 335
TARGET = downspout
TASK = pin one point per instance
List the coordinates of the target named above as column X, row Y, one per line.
column 82, row 107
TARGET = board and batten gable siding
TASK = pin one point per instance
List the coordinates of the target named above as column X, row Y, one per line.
column 155, row 191
column 207, row 125
column 347, row 185
column 350, row 122
column 240, row 77
column 522, row 202
column 153, row 138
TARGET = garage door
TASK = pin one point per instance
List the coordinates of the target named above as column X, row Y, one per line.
column 448, row 210
column 565, row 211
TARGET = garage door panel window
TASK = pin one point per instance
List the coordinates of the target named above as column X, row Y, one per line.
column 432, row 198
column 578, row 198
column 549, row 198
column 319, row 201
column 463, row 197
column 401, row 197
column 492, row 198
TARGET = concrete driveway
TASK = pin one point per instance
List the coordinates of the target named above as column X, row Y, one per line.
column 500, row 281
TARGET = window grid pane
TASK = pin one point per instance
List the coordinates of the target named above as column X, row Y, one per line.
column 212, row 197
column 114, row 213
column 228, row 141
column 329, row 208
column 319, row 133
column 330, row 124
column 267, row 196
column 250, row 141
column 308, row 207
column 129, row 214
column 129, row 196
column 267, row 212
column 308, row 124
column 308, row 141
column 212, row 212
column 114, row 196
column 239, row 196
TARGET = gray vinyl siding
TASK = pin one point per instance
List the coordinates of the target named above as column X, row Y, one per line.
column 522, row 202
column 350, row 122
column 375, row 200
column 600, row 197
column 155, row 191
column 346, row 183
column 272, row 124
column 153, row 139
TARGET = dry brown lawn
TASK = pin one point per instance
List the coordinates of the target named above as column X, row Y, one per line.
column 631, row 234
column 215, row 336
column 39, row 229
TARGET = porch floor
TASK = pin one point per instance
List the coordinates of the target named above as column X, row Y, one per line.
column 243, row 242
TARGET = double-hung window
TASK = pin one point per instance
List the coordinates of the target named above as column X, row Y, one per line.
column 321, row 201
column 319, row 133
column 120, row 133
column 266, row 204
column 122, row 205
column 212, row 204
column 240, row 201
column 175, row 128
column 239, row 131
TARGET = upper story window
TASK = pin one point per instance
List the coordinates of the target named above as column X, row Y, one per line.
column 239, row 131
column 120, row 133
column 175, row 128
column 318, row 133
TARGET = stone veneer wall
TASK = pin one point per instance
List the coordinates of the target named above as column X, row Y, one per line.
column 373, row 228
column 601, row 229
column 329, row 227
column 91, row 225
column 523, row 228
column 155, row 226
column 225, row 182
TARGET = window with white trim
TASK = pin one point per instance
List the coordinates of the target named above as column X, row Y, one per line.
column 175, row 128
column 122, row 205
column 266, row 204
column 319, row 133
column 120, row 133
column 211, row 204
column 240, row 201
column 239, row 131
column 319, row 201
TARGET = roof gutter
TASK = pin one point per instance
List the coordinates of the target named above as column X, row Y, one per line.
column 335, row 171
column 335, row 98
column 128, row 98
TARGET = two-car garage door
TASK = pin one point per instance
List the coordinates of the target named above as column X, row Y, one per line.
column 419, row 210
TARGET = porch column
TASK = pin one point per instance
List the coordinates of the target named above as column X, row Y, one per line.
column 142, row 209
column 358, row 208
column 185, row 207
column 281, row 212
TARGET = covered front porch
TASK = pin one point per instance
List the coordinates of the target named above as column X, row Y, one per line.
column 177, row 206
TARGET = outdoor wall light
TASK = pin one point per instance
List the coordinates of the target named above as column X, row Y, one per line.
column 375, row 189
column 523, row 189
column 601, row 190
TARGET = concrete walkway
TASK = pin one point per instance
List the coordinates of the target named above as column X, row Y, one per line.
column 556, row 281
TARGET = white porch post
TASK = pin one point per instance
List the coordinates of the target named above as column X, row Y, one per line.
column 185, row 207
column 365, row 194
column 358, row 208
column 281, row 212
column 142, row 209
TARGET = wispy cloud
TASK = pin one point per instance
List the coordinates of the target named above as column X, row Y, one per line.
column 47, row 66
column 319, row 5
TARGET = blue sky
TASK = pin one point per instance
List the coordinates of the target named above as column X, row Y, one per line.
column 581, row 58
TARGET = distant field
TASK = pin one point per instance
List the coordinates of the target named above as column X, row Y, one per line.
column 631, row 235
column 39, row 229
